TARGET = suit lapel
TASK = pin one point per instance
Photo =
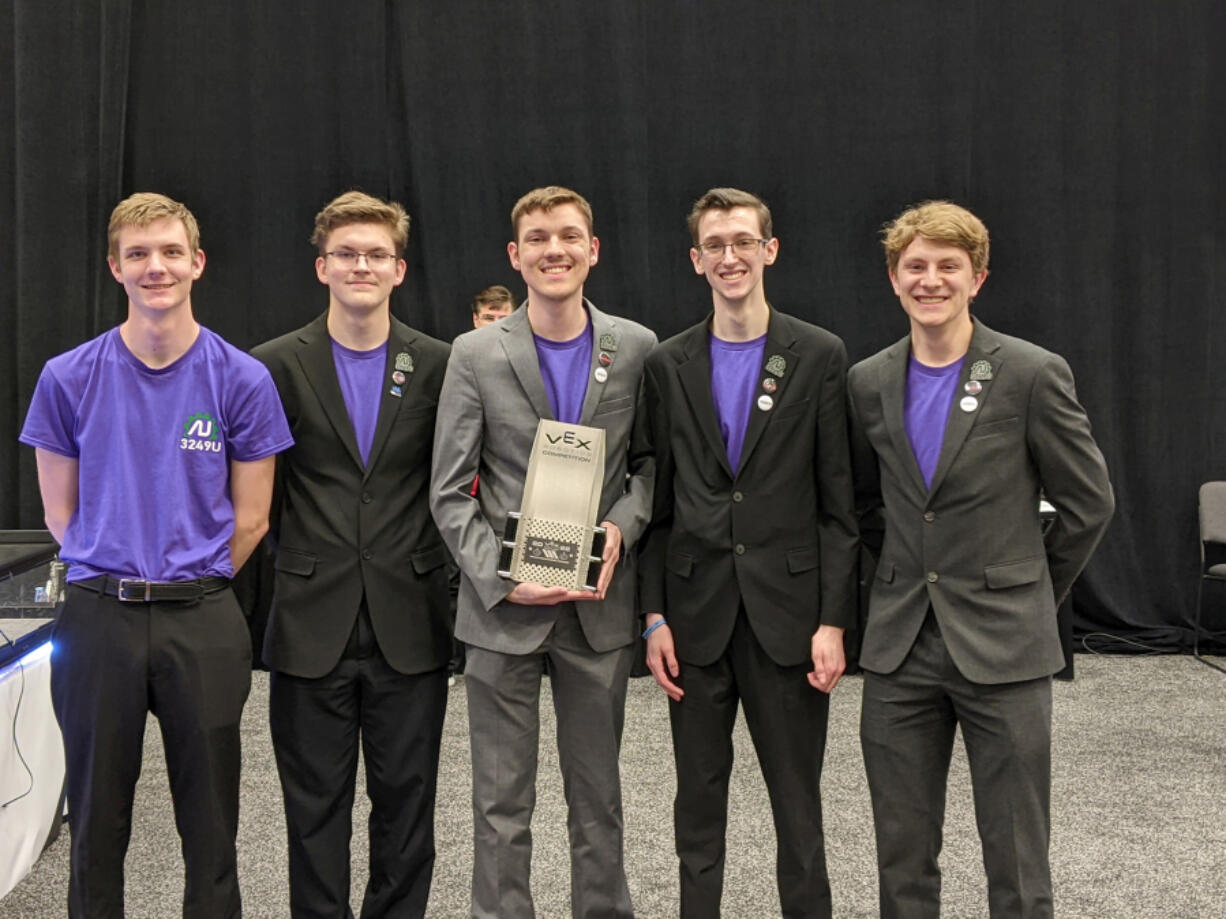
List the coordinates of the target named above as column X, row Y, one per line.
column 694, row 374
column 892, row 384
column 319, row 368
column 605, row 340
column 779, row 363
column 520, row 349
column 984, row 346
column 401, row 356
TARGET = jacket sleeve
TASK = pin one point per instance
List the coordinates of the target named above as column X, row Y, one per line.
column 836, row 517
column 866, row 473
column 1072, row 472
column 457, row 454
column 652, row 431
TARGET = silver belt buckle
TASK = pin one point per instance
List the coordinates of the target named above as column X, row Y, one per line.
column 142, row 596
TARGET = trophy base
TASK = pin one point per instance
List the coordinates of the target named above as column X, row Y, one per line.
column 551, row 553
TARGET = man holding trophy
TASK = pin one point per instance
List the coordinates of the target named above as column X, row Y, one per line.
column 525, row 405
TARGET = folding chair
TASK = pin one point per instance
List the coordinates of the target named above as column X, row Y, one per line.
column 1212, row 508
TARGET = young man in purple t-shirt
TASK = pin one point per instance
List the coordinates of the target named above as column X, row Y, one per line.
column 748, row 567
column 555, row 357
column 149, row 622
column 956, row 432
column 358, row 635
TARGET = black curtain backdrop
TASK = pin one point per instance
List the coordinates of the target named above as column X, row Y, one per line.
column 1088, row 135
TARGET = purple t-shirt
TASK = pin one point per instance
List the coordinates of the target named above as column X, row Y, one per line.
column 735, row 370
column 930, row 390
column 154, row 450
column 564, row 368
column 361, row 377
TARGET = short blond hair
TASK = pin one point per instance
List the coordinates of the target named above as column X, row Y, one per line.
column 725, row 199
column 546, row 199
column 140, row 210
column 941, row 222
column 359, row 207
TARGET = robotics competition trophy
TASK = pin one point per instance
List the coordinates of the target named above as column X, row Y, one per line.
column 553, row 540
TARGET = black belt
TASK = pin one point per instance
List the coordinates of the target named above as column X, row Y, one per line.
column 134, row 590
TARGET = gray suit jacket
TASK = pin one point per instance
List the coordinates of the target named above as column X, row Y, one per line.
column 492, row 398
column 972, row 545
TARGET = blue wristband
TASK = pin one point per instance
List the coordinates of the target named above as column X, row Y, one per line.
column 655, row 625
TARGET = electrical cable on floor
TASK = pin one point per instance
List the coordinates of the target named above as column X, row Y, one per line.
column 1123, row 640
column 16, row 744
column 1122, row 643
column 1216, row 667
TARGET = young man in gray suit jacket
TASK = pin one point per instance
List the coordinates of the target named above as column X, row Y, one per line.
column 358, row 637
column 957, row 431
column 748, row 568
column 556, row 357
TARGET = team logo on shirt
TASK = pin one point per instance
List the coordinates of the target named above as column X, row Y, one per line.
column 200, row 434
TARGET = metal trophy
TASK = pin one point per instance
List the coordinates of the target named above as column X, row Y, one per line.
column 553, row 539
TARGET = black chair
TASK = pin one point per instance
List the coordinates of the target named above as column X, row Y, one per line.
column 1212, row 508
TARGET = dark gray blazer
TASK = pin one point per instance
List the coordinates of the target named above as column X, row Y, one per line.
column 341, row 528
column 779, row 533
column 491, row 401
column 973, row 546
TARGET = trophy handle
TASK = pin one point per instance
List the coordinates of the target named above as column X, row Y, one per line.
column 595, row 561
column 507, row 552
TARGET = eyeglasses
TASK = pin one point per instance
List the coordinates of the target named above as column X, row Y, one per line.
column 350, row 259
column 746, row 246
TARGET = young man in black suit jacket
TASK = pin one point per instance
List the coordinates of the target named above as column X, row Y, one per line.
column 957, row 430
column 358, row 635
column 748, row 567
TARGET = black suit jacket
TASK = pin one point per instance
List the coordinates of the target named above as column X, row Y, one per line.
column 779, row 533
column 340, row 528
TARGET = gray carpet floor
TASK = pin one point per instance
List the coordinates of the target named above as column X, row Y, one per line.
column 1139, row 812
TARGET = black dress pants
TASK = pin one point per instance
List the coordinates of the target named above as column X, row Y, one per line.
column 316, row 727
column 786, row 718
column 188, row 662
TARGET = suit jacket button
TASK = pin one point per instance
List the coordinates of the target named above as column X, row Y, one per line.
column 366, row 497
column 929, row 516
column 740, row 549
column 738, row 497
column 932, row 577
column 367, row 554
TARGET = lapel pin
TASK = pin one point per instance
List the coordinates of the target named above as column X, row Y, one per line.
column 981, row 370
column 968, row 404
column 607, row 342
column 769, row 384
column 766, row 403
column 605, row 358
column 776, row 366
column 395, row 391
column 601, row 374
column 973, row 387
column 398, row 377
column 404, row 361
